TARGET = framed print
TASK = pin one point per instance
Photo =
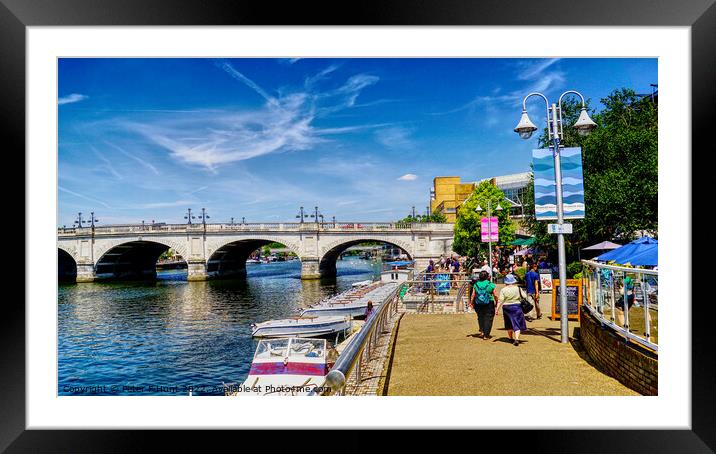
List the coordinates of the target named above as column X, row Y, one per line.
column 265, row 217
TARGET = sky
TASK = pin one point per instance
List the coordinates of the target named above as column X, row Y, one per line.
column 362, row 139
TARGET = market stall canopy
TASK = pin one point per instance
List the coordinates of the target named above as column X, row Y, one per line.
column 523, row 242
column 603, row 246
column 641, row 252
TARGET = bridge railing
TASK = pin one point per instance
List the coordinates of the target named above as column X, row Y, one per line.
column 254, row 226
column 604, row 287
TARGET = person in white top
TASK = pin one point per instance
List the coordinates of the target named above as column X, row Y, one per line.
column 486, row 267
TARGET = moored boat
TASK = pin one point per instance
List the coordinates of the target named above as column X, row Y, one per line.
column 302, row 326
column 287, row 366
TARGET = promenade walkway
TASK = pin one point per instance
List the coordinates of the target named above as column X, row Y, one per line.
column 440, row 355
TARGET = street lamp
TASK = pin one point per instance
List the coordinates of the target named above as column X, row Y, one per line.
column 584, row 125
column 316, row 214
column 189, row 216
column 301, row 215
column 478, row 208
column 203, row 216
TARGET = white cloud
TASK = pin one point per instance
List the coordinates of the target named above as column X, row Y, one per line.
column 408, row 177
column 395, row 137
column 284, row 123
column 69, row 99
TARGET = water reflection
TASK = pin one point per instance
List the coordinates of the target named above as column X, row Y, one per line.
column 174, row 334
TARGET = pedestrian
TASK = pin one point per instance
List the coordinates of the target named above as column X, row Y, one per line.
column 626, row 291
column 509, row 300
column 486, row 268
column 368, row 310
column 532, row 280
column 483, row 299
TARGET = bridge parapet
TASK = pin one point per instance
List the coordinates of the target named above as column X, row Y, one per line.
column 261, row 227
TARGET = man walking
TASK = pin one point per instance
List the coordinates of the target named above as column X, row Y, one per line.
column 532, row 280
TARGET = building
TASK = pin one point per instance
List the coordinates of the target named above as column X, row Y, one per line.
column 514, row 186
column 448, row 193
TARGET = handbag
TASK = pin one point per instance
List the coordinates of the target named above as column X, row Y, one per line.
column 525, row 304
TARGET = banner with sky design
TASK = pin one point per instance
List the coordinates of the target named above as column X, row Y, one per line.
column 545, row 186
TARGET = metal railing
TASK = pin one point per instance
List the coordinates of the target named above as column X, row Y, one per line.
column 624, row 299
column 359, row 348
column 262, row 226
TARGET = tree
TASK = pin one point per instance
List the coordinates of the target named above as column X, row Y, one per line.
column 435, row 217
column 620, row 162
column 467, row 239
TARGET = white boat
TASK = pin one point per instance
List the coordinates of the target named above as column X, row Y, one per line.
column 286, row 367
column 362, row 283
column 252, row 261
column 302, row 326
column 353, row 302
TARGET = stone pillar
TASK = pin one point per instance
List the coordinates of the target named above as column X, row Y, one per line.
column 86, row 272
column 196, row 270
column 309, row 269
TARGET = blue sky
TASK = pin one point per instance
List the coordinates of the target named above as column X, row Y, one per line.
column 143, row 139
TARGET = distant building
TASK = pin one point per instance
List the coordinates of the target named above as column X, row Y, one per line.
column 448, row 193
column 514, row 186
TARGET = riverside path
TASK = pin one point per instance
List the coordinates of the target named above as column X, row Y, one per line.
column 441, row 355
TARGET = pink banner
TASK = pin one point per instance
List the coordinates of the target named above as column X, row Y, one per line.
column 489, row 231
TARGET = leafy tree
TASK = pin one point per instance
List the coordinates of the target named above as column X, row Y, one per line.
column 467, row 239
column 435, row 217
column 620, row 161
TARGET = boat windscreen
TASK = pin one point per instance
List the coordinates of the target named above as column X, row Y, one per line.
column 308, row 348
column 273, row 347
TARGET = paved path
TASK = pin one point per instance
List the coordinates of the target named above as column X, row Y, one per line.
column 436, row 354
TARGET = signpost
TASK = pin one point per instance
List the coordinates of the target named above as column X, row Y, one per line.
column 559, row 228
column 574, row 299
column 489, row 231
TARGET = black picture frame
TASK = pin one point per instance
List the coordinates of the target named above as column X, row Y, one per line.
column 16, row 15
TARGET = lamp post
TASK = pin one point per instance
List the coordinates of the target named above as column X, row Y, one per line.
column 92, row 220
column 489, row 231
column 584, row 125
column 334, row 222
column 189, row 216
column 316, row 214
column 301, row 215
column 203, row 216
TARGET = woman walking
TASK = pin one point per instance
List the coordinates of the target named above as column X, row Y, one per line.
column 509, row 300
column 483, row 300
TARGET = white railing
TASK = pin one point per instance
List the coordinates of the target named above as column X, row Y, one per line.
column 263, row 226
column 604, row 288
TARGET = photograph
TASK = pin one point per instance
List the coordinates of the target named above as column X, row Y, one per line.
column 357, row 226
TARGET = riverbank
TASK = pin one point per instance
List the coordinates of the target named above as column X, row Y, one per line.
column 440, row 355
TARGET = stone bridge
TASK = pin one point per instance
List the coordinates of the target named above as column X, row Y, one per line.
column 221, row 250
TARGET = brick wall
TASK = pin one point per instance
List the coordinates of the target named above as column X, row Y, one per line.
column 631, row 364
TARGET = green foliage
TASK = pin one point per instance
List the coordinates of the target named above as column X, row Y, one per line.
column 620, row 161
column 520, row 273
column 467, row 226
column 573, row 268
column 435, row 217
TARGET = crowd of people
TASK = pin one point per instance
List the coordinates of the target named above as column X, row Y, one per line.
column 483, row 296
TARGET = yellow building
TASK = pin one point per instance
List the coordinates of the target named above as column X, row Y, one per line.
column 447, row 195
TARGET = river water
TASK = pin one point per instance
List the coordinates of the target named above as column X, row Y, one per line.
column 163, row 337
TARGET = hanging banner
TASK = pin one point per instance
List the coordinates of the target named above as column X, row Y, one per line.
column 489, row 230
column 545, row 186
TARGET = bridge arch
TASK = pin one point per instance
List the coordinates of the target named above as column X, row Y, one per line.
column 228, row 258
column 66, row 266
column 132, row 259
column 333, row 250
